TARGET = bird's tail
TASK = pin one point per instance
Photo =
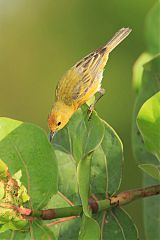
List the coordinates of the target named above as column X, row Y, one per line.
column 117, row 39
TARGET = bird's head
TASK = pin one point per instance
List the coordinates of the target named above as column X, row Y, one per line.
column 59, row 117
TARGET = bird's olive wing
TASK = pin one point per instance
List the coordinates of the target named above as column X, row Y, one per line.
column 73, row 86
column 79, row 79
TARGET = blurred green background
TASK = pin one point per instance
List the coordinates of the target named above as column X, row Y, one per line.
column 40, row 40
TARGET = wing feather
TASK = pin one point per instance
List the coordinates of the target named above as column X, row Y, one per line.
column 80, row 78
column 88, row 72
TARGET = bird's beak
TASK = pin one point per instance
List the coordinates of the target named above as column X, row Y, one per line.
column 51, row 136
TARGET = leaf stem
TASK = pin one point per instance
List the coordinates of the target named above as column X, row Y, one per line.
column 65, row 198
column 60, row 221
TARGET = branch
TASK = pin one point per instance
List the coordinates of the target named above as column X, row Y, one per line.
column 97, row 206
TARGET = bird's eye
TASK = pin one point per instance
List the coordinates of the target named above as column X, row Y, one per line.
column 59, row 123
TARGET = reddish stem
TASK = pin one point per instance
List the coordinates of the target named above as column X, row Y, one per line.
column 61, row 220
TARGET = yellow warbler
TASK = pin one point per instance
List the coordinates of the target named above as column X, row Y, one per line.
column 81, row 82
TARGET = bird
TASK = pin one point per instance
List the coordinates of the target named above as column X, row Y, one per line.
column 81, row 82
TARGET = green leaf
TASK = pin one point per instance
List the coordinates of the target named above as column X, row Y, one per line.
column 3, row 170
column 149, row 124
column 69, row 230
column 116, row 224
column 150, row 86
column 67, row 183
column 99, row 172
column 78, row 139
column 40, row 232
column 95, row 134
column 14, row 235
column 6, row 235
column 106, row 166
column 7, row 226
column 151, row 211
column 37, row 231
column 107, row 160
column 152, row 29
column 138, row 69
column 83, row 137
column 2, row 189
column 10, row 220
column 11, row 192
column 151, row 170
column 89, row 229
column 106, row 170
column 17, row 176
column 25, row 147
column 84, row 169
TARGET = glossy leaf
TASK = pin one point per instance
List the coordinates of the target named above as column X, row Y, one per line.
column 14, row 235
column 89, row 229
column 40, row 232
column 116, row 224
column 138, row 70
column 106, row 171
column 75, row 144
column 3, row 170
column 151, row 211
column 2, row 189
column 70, row 230
column 25, row 147
column 151, row 170
column 68, row 183
column 98, row 173
column 149, row 124
column 84, row 170
column 150, row 86
column 78, row 137
column 36, row 231
column 95, row 134
column 152, row 31
column 65, row 230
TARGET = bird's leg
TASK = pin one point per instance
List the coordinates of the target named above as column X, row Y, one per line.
column 92, row 106
column 102, row 91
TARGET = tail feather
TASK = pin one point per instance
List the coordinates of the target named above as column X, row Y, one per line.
column 117, row 39
column 97, row 59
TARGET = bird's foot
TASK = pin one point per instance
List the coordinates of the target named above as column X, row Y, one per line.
column 90, row 111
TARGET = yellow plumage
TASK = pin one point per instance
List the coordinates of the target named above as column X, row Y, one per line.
column 81, row 82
